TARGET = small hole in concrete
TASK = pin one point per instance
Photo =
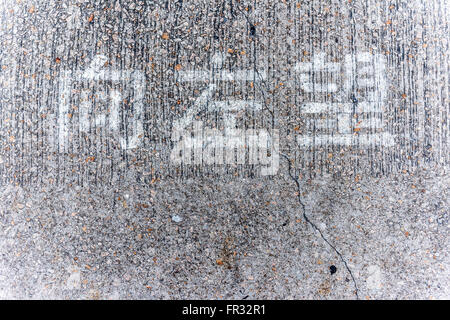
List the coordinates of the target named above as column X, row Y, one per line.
column 333, row 269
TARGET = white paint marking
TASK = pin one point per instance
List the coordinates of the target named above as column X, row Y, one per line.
column 374, row 280
column 384, row 139
column 362, row 107
column 199, row 104
column 95, row 72
column 221, row 75
column 234, row 105
column 65, row 82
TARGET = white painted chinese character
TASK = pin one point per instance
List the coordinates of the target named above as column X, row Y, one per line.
column 232, row 145
column 345, row 119
column 308, row 70
column 96, row 72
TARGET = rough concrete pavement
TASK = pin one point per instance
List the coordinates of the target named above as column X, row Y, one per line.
column 117, row 119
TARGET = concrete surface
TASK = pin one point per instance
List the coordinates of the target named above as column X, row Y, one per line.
column 94, row 205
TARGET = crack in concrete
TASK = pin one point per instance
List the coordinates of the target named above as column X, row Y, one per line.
column 298, row 183
column 296, row 180
column 314, row 226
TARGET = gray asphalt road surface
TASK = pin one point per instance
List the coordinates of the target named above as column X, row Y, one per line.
column 224, row 149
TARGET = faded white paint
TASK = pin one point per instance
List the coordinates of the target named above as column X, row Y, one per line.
column 95, row 72
column 207, row 146
column 384, row 139
column 221, row 75
column 74, row 280
column 362, row 107
column 362, row 71
column 74, row 18
column 375, row 278
column 366, row 70
column 318, row 64
column 200, row 103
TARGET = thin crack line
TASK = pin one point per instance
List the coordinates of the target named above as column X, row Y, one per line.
column 297, row 183
column 301, row 202
column 312, row 224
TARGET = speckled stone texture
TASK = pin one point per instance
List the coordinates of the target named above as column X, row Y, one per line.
column 93, row 206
